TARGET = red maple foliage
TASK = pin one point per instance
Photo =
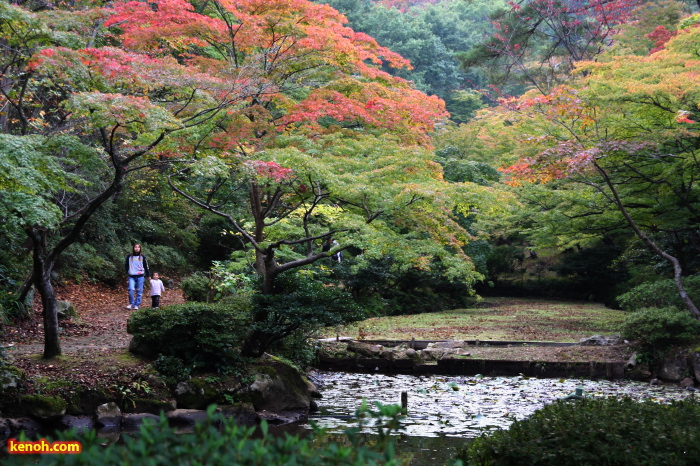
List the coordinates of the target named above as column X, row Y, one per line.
column 660, row 36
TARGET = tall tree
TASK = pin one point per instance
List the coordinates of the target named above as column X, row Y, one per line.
column 538, row 42
column 170, row 79
column 336, row 149
column 629, row 133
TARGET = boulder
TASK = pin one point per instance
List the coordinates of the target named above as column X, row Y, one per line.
column 186, row 417
column 65, row 310
column 150, row 405
column 243, row 412
column 456, row 353
column 313, row 390
column 24, row 424
column 109, row 435
column 434, row 352
column 279, row 387
column 673, row 368
column 43, row 407
column 283, row 417
column 640, row 372
column 79, row 423
column 195, row 393
column 134, row 420
column 413, row 355
column 10, row 377
column 365, row 349
column 141, row 348
column 313, row 407
column 694, row 363
column 155, row 381
column 451, row 344
column 108, row 415
column 601, row 340
column 5, row 430
column 634, row 370
column 687, row 382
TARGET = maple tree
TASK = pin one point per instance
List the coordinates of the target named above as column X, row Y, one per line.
column 635, row 37
column 322, row 82
column 370, row 194
column 538, row 42
column 628, row 134
column 140, row 85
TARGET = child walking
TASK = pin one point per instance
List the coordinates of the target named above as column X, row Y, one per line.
column 157, row 289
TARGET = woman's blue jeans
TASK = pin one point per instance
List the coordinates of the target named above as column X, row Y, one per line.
column 135, row 290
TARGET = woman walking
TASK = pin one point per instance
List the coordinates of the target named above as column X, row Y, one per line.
column 137, row 270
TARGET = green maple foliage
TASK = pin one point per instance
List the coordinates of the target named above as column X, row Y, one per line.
column 216, row 89
column 627, row 132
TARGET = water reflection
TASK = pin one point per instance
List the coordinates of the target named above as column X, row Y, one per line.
column 444, row 411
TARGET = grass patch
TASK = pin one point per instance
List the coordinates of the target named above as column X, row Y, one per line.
column 495, row 319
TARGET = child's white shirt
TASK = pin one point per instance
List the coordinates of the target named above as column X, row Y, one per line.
column 157, row 287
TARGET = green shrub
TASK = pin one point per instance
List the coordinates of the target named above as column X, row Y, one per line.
column 165, row 259
column 595, row 432
column 661, row 293
column 84, row 260
column 200, row 287
column 300, row 347
column 202, row 336
column 219, row 441
column 172, row 367
column 661, row 327
column 11, row 309
column 302, row 304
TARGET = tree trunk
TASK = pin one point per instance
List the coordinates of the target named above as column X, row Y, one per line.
column 677, row 270
column 24, row 288
column 42, row 282
column 255, row 344
column 44, row 259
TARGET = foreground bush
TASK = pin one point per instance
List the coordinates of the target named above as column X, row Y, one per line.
column 201, row 336
column 596, row 432
column 220, row 441
column 661, row 327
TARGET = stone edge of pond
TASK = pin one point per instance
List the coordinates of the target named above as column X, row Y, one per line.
column 455, row 366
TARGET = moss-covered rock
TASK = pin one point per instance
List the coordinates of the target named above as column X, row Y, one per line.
column 196, row 393
column 149, row 405
column 86, row 400
column 43, row 407
column 143, row 348
column 65, row 310
column 10, row 377
column 279, row 386
column 243, row 412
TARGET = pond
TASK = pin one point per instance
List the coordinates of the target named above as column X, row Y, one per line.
column 444, row 412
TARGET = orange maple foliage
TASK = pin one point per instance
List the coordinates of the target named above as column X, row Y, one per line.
column 269, row 47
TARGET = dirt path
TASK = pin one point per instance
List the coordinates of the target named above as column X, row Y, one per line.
column 100, row 326
column 93, row 345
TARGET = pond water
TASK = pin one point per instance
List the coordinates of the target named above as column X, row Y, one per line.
column 444, row 412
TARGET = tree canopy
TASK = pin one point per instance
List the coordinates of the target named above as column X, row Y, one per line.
column 278, row 97
column 626, row 131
